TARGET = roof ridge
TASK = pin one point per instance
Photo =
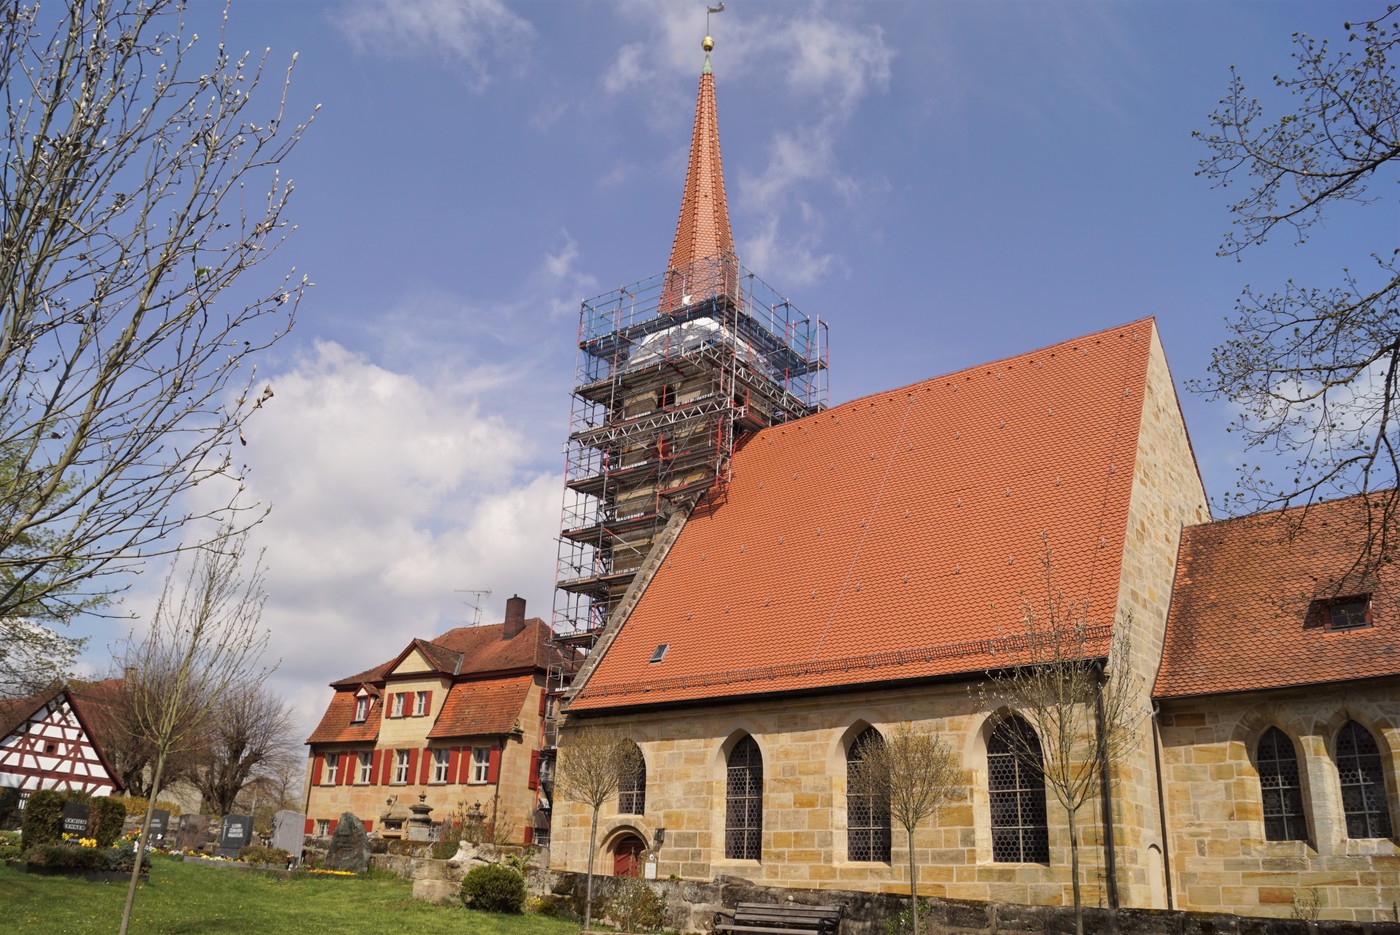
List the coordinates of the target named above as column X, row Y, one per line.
column 895, row 391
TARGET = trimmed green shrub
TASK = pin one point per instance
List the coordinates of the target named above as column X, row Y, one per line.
column 257, row 854
column 9, row 804
column 43, row 818
column 635, row 906
column 9, row 852
column 105, row 817
column 493, row 888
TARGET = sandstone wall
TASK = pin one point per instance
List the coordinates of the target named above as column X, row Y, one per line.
column 1218, row 852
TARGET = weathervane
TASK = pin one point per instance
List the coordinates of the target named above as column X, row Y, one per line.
column 709, row 43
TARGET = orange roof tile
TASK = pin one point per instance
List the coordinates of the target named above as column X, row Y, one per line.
column 893, row 537
column 471, row 650
column 1240, row 616
column 480, row 708
column 336, row 725
column 702, row 230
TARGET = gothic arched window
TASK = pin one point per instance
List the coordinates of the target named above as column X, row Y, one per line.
column 1281, row 788
column 1363, row 783
column 867, row 811
column 632, row 786
column 1016, row 786
column 743, row 802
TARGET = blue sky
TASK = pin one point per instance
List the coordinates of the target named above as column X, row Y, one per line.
column 945, row 183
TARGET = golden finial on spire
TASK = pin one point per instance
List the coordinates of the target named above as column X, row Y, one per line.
column 708, row 44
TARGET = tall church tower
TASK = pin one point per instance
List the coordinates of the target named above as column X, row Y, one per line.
column 672, row 371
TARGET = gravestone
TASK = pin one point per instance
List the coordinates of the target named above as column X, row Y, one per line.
column 289, row 832
column 237, row 834
column 75, row 818
column 349, row 848
column 192, row 833
column 160, row 824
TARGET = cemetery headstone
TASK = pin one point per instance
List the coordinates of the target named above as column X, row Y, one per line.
column 75, row 818
column 349, row 848
column 237, row 834
column 160, row 824
column 289, row 832
column 192, row 833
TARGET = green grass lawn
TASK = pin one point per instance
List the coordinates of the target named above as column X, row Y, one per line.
column 188, row 898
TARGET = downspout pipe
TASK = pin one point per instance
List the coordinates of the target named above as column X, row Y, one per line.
column 1106, row 787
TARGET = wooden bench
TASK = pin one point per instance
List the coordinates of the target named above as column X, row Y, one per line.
column 778, row 919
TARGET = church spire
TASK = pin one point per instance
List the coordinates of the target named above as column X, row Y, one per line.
column 702, row 255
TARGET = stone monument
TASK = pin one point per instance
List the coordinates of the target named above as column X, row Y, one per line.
column 75, row 818
column 192, row 833
column 349, row 848
column 288, row 832
column 160, row 825
column 237, row 833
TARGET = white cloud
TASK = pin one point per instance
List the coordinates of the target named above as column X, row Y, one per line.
column 475, row 35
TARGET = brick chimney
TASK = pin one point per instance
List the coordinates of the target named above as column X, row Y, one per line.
column 515, row 617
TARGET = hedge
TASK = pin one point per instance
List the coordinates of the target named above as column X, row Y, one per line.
column 43, row 818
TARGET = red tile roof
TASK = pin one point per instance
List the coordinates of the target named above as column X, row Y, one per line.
column 90, row 702
column 893, row 537
column 490, row 706
column 1240, row 616
column 336, row 726
column 462, row 652
column 702, row 230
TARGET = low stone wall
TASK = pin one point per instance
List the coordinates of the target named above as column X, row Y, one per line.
column 691, row 907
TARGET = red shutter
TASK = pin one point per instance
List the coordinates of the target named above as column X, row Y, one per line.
column 428, row 708
column 493, row 768
column 316, row 770
column 412, row 764
column 534, row 771
column 425, row 773
column 310, row 825
column 464, row 767
column 333, row 826
column 529, row 835
column 369, row 825
column 544, row 698
column 454, row 764
column 374, row 764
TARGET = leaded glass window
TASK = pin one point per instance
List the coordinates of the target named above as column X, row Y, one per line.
column 867, row 814
column 1281, row 788
column 632, row 788
column 1016, row 786
column 1363, row 783
column 743, row 812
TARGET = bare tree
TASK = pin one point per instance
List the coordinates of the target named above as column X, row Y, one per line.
column 250, row 735
column 1085, row 713
column 138, row 186
column 33, row 656
column 205, row 643
column 916, row 772
column 592, row 763
column 1314, row 371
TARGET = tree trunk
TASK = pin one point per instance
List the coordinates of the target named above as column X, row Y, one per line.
column 913, row 881
column 588, row 884
column 1074, row 875
column 141, row 844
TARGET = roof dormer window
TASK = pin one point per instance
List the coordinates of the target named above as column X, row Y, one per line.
column 1348, row 613
column 361, row 708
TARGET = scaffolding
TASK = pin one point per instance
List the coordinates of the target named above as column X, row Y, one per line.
column 672, row 371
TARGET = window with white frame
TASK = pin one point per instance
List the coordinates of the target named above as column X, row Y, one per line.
column 366, row 766
column 441, row 759
column 361, row 707
column 398, row 705
column 481, row 763
column 332, row 769
column 401, row 766
column 420, row 704
column 323, row 826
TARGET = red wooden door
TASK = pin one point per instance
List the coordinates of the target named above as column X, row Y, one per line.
column 627, row 856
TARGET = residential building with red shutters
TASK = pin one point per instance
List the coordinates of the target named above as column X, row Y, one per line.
column 47, row 742
column 456, row 720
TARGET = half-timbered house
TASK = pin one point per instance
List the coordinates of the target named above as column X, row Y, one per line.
column 46, row 743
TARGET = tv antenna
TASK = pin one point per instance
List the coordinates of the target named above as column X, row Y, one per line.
column 476, row 608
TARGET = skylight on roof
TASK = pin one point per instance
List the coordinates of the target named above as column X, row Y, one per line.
column 660, row 653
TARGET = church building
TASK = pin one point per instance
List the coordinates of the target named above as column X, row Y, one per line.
column 764, row 582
